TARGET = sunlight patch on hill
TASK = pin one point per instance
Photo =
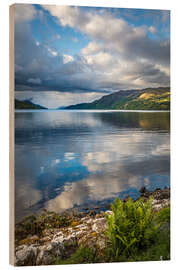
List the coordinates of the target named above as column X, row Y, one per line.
column 146, row 96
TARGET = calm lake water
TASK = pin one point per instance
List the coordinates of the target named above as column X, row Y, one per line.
column 79, row 159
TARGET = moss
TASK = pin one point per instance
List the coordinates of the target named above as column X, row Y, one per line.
column 37, row 225
column 94, row 234
column 75, row 223
column 29, row 240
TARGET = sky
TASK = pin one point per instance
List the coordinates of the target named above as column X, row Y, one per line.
column 67, row 54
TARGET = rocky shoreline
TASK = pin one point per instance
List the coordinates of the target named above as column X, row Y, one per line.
column 41, row 240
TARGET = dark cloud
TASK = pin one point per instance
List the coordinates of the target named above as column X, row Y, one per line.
column 36, row 68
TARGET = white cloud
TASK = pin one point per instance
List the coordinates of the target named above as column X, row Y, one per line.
column 92, row 48
column 52, row 52
column 101, row 60
column 101, row 26
column 164, row 69
column 67, row 58
column 118, row 52
column 66, row 14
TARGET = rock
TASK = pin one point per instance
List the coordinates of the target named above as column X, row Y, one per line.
column 158, row 189
column 90, row 220
column 81, row 214
column 92, row 213
column 143, row 190
column 56, row 248
column 26, row 256
column 45, row 239
column 97, row 215
column 101, row 242
column 165, row 194
column 34, row 238
column 49, row 252
column 44, row 257
column 99, row 225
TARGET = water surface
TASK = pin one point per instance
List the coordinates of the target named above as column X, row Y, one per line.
column 69, row 159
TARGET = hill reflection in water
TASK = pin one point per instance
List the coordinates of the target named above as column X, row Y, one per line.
column 67, row 159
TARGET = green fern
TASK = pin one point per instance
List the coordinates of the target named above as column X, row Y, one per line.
column 131, row 226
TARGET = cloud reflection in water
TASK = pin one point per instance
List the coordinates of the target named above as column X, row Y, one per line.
column 71, row 158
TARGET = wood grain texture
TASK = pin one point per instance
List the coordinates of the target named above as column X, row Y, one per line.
column 11, row 129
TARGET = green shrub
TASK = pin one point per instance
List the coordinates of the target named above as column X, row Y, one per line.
column 160, row 250
column 163, row 216
column 131, row 227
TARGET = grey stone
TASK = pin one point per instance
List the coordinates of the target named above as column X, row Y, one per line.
column 26, row 256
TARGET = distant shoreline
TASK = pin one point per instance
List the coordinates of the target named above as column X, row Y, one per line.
column 85, row 110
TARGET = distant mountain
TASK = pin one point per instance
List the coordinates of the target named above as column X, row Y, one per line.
column 145, row 99
column 27, row 105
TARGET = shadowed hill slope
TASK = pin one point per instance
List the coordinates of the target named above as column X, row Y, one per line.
column 27, row 104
